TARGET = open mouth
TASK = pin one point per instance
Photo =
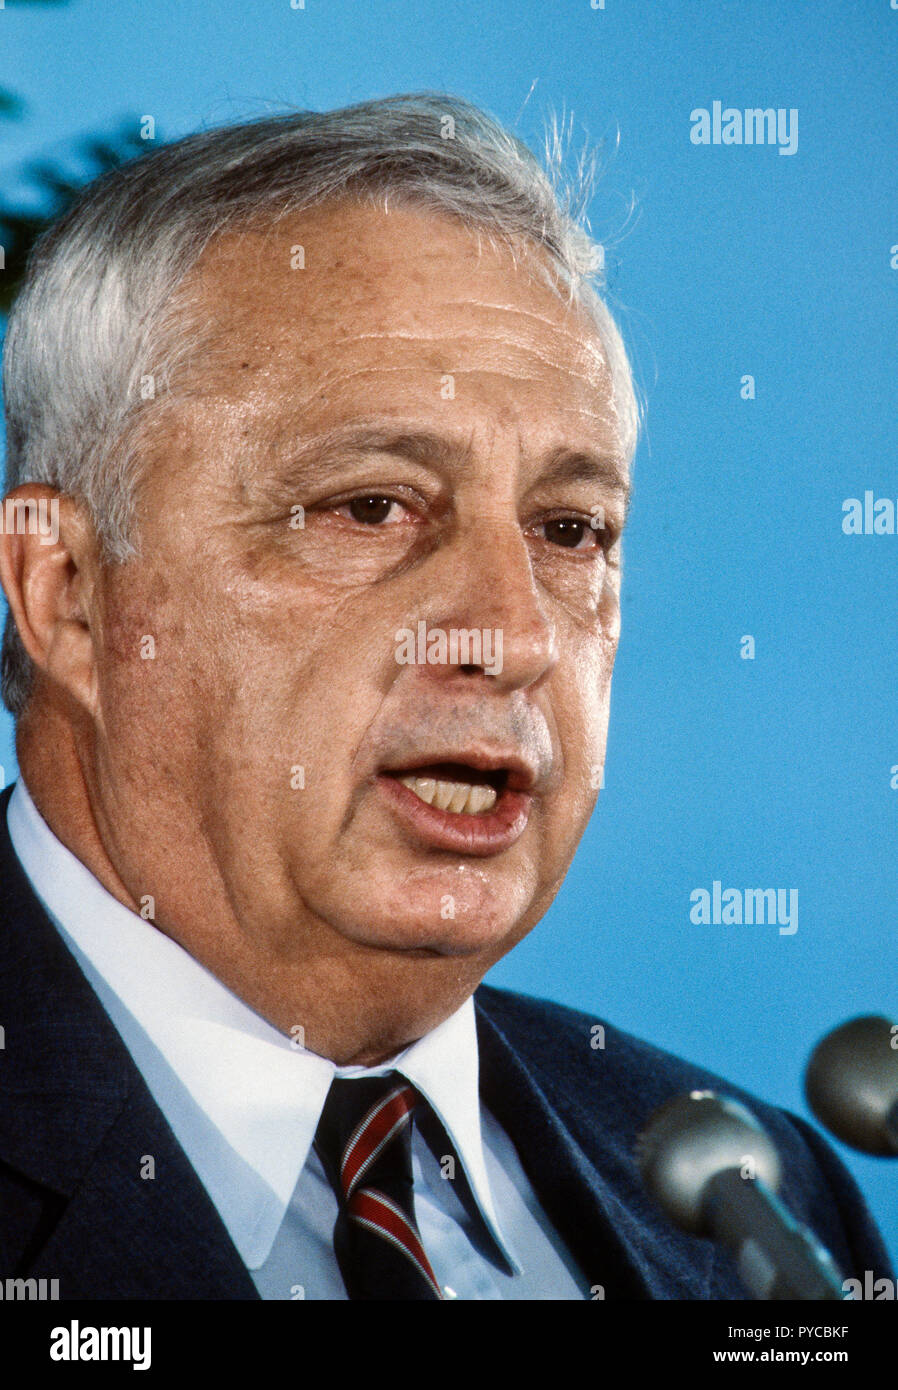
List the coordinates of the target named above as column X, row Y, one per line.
column 458, row 807
column 456, row 787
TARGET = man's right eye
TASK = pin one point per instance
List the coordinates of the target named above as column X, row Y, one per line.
column 372, row 509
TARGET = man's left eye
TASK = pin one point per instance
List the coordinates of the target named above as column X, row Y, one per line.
column 372, row 509
column 570, row 533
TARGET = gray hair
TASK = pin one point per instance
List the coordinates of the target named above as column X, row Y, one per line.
column 98, row 302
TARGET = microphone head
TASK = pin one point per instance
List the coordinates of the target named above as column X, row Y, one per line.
column 689, row 1140
column 851, row 1084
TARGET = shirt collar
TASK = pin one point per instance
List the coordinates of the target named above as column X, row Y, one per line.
column 256, row 1086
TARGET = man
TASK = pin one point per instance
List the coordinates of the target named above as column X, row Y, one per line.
column 311, row 679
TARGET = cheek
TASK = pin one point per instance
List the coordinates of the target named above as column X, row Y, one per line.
column 131, row 656
column 583, row 706
column 167, row 668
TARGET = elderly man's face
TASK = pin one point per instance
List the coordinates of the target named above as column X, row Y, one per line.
column 407, row 436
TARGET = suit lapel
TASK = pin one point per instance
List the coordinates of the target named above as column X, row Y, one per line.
column 577, row 1152
column 77, row 1126
column 122, row 1235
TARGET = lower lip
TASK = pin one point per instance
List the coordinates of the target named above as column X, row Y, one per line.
column 491, row 832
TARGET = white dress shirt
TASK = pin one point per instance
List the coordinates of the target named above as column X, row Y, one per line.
column 244, row 1100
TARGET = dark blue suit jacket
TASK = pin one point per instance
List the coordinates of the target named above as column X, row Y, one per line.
column 76, row 1117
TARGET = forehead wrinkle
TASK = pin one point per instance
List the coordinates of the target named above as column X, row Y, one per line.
column 568, row 324
column 326, row 376
column 545, row 321
column 586, row 345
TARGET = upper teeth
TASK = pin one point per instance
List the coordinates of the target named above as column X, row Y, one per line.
column 452, row 796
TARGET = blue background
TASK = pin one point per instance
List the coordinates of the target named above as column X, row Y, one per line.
column 766, row 773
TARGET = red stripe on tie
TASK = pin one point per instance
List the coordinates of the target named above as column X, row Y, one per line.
column 372, row 1209
column 373, row 1133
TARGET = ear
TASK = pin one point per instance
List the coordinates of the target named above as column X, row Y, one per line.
column 48, row 565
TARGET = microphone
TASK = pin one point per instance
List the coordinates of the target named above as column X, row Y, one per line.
column 851, row 1084
column 715, row 1170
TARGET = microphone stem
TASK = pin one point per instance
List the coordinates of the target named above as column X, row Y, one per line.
column 891, row 1127
column 777, row 1258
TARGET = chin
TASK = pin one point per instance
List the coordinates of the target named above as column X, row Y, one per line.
column 449, row 913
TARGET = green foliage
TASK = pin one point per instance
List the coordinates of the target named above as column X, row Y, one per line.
column 11, row 106
column 18, row 231
column 57, row 187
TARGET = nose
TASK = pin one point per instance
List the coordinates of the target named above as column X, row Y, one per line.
column 494, row 594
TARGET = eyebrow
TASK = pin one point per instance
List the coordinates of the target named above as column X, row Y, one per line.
column 424, row 447
column 585, row 466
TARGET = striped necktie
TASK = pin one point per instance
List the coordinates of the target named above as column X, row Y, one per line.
column 364, row 1142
